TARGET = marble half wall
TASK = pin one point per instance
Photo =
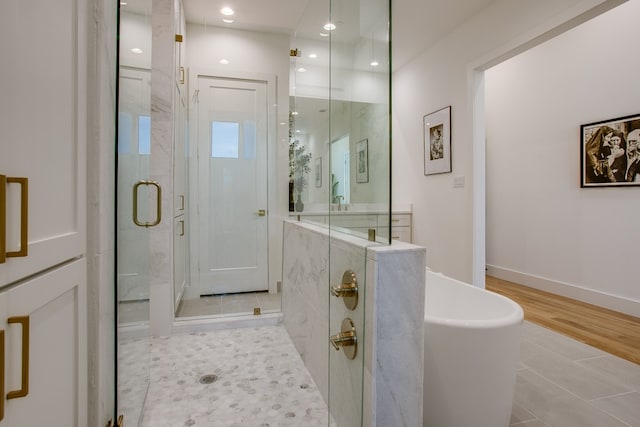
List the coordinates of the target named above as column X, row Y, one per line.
column 389, row 322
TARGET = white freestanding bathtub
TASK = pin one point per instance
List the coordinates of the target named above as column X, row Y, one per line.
column 471, row 347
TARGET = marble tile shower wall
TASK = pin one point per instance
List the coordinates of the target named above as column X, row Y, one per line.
column 388, row 320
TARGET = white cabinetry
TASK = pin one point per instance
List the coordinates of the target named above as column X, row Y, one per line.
column 400, row 226
column 42, row 213
column 363, row 222
column 45, row 366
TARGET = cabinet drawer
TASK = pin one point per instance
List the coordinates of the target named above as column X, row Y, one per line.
column 402, row 234
column 397, row 220
column 351, row 221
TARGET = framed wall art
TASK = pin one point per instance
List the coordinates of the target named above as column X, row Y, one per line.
column 437, row 141
column 362, row 161
column 610, row 153
column 317, row 170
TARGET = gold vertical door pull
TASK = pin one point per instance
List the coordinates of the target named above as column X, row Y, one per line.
column 24, row 216
column 24, row 387
column 137, row 221
column 1, row 374
column 3, row 219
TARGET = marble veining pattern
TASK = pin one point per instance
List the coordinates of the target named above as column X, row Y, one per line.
column 261, row 381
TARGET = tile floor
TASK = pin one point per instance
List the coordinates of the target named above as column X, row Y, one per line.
column 228, row 304
column 241, row 304
column 262, row 381
column 565, row 383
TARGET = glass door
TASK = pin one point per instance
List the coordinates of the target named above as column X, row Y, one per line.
column 136, row 210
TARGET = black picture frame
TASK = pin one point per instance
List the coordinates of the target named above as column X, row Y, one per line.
column 610, row 153
column 362, row 161
column 437, row 141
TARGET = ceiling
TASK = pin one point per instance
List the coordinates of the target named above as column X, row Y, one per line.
column 417, row 24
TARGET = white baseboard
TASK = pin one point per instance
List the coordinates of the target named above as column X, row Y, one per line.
column 612, row 302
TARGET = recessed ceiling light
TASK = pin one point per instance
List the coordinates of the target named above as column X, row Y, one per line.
column 374, row 63
column 329, row 26
column 324, row 35
column 228, row 21
column 224, row 61
column 123, row 3
column 297, row 130
column 283, row 123
column 136, row 50
column 313, row 56
column 227, row 11
column 294, row 113
column 301, row 70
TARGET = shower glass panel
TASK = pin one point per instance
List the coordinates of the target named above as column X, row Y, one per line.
column 359, row 196
column 135, row 202
column 340, row 123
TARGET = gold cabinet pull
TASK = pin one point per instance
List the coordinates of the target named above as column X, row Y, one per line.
column 1, row 374
column 24, row 217
column 3, row 220
column 24, row 389
column 136, row 221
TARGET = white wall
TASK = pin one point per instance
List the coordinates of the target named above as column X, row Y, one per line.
column 444, row 75
column 540, row 223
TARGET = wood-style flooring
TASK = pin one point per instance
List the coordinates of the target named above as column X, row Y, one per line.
column 608, row 330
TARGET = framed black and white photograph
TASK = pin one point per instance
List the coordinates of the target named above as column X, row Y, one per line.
column 317, row 170
column 437, row 142
column 362, row 161
column 610, row 153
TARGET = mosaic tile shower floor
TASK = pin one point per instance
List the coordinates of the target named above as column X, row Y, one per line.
column 261, row 381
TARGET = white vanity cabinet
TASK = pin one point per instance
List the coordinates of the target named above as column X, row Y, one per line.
column 400, row 226
column 43, row 122
column 363, row 222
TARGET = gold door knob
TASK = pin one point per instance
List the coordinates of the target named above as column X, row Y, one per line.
column 262, row 212
column 346, row 339
column 348, row 290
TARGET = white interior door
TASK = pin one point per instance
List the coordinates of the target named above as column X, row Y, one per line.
column 232, row 200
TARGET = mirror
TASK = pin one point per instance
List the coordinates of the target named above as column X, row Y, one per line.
column 340, row 115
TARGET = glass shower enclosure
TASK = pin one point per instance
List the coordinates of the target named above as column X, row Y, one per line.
column 327, row 162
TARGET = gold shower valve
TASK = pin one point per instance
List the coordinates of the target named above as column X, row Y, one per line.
column 346, row 339
column 348, row 290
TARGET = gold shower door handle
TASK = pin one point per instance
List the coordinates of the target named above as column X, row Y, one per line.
column 137, row 221
column 24, row 387
column 24, row 217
